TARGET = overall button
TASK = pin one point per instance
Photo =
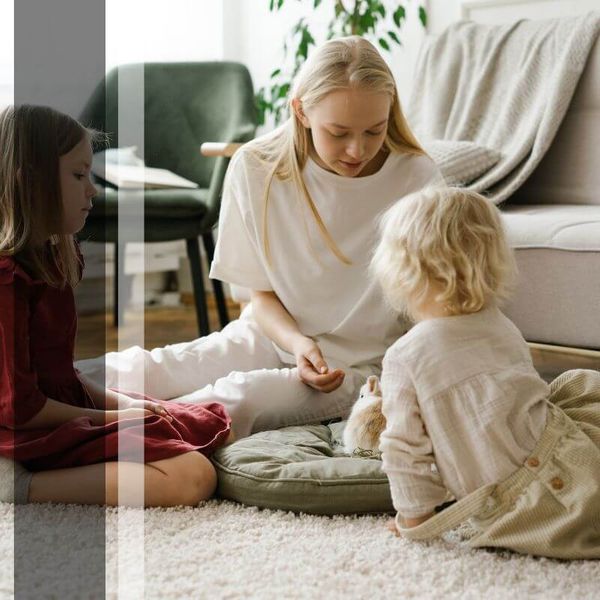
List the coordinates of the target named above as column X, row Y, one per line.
column 533, row 462
column 557, row 483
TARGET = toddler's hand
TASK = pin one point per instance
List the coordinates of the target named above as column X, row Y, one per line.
column 313, row 370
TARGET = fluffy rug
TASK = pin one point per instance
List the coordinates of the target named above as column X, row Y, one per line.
column 222, row 550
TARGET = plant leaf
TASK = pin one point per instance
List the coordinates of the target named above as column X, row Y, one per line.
column 261, row 106
column 365, row 23
column 361, row 17
column 283, row 90
column 298, row 26
column 423, row 16
column 399, row 15
column 395, row 38
column 306, row 39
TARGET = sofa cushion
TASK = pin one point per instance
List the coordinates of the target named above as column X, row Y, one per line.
column 301, row 469
column 565, row 227
column 568, row 172
column 557, row 248
column 460, row 162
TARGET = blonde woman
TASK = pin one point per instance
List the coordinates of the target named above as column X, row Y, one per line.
column 467, row 415
column 297, row 227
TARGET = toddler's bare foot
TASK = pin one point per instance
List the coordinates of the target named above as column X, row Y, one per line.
column 391, row 525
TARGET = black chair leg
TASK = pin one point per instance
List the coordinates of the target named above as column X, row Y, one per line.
column 115, row 306
column 193, row 252
column 118, row 307
column 209, row 246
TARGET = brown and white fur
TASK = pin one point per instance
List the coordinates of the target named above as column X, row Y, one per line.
column 366, row 421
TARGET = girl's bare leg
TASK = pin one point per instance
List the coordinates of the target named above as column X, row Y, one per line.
column 185, row 479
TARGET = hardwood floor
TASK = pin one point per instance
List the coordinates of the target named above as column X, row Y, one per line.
column 551, row 361
column 162, row 325
column 96, row 335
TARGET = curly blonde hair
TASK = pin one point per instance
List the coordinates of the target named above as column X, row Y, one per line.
column 445, row 240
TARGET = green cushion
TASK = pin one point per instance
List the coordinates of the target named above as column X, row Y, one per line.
column 172, row 203
column 302, row 469
column 169, row 214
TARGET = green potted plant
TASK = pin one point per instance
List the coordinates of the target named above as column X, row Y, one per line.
column 369, row 18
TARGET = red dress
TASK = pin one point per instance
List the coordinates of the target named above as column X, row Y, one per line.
column 38, row 324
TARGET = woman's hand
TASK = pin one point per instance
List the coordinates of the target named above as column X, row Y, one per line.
column 149, row 406
column 278, row 324
column 312, row 368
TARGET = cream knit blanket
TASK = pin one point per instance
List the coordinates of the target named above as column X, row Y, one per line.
column 505, row 87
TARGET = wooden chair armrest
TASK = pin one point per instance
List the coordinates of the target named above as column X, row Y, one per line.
column 219, row 148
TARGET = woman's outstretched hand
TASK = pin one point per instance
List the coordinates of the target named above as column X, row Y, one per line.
column 312, row 368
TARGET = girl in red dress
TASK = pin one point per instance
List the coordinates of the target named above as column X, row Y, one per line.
column 63, row 432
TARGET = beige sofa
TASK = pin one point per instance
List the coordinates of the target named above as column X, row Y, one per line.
column 553, row 222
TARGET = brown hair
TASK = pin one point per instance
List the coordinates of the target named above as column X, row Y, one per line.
column 32, row 139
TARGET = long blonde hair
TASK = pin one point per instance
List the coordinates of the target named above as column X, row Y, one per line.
column 32, row 139
column 339, row 64
column 447, row 240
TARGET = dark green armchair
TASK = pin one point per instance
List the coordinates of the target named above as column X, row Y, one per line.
column 185, row 104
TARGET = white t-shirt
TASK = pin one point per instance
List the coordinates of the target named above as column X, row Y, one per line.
column 335, row 304
column 459, row 392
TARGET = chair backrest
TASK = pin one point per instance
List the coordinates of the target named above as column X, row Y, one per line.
column 185, row 104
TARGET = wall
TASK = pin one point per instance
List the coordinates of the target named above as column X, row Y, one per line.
column 7, row 52
column 506, row 11
column 136, row 31
column 159, row 30
column 255, row 36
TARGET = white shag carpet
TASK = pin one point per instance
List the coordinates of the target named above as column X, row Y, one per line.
column 222, row 550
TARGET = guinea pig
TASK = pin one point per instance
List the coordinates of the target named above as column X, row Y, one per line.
column 366, row 421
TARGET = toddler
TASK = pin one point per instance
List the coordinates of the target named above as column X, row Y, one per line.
column 467, row 414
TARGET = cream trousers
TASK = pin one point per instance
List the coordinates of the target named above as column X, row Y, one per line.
column 237, row 367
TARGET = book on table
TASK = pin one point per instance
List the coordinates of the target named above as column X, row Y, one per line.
column 129, row 176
